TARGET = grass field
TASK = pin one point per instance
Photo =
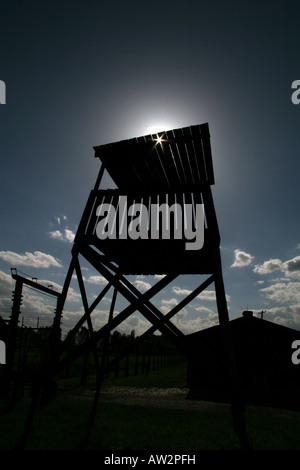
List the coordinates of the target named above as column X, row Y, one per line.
column 61, row 424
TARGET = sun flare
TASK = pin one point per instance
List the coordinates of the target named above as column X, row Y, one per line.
column 158, row 128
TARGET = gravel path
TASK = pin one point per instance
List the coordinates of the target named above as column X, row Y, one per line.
column 172, row 398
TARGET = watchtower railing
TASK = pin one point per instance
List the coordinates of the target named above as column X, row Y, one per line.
column 146, row 232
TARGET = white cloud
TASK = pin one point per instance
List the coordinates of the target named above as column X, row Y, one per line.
column 99, row 280
column 58, row 219
column 288, row 316
column 134, row 322
column 180, row 319
column 168, row 304
column 62, row 233
column 73, row 295
column 241, row 259
column 6, row 278
column 205, row 317
column 179, row 291
column 268, row 266
column 142, row 285
column 35, row 260
column 56, row 234
column 6, row 287
column 208, row 295
column 69, row 235
column 36, row 305
column 291, row 267
column 191, row 325
column 100, row 318
column 283, row 292
column 66, row 235
column 204, row 310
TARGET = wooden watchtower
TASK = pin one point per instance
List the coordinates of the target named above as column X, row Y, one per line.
column 159, row 219
column 123, row 232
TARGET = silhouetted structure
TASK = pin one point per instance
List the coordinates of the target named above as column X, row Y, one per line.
column 267, row 375
column 14, row 374
column 120, row 234
column 147, row 170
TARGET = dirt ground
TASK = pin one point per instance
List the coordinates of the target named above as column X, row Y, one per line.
column 172, row 398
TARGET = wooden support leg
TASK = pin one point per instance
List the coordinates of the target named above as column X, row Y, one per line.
column 237, row 403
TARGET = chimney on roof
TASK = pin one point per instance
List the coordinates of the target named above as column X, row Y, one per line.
column 247, row 313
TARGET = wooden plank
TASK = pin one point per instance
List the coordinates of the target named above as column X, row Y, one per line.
column 131, row 156
column 103, row 197
column 156, row 162
column 165, row 151
column 144, row 174
column 91, row 217
column 199, row 200
column 176, row 158
column 184, row 157
column 137, row 157
column 205, row 135
column 191, row 155
column 211, row 218
column 152, row 180
column 162, row 158
column 195, row 130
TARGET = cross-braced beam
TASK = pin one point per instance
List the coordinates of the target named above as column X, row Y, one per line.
column 138, row 302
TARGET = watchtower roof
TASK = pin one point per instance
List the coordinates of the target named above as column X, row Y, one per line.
column 173, row 160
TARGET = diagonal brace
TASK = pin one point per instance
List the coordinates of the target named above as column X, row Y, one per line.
column 170, row 314
column 98, row 335
column 89, row 254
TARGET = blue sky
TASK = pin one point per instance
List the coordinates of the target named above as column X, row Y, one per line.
column 80, row 74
